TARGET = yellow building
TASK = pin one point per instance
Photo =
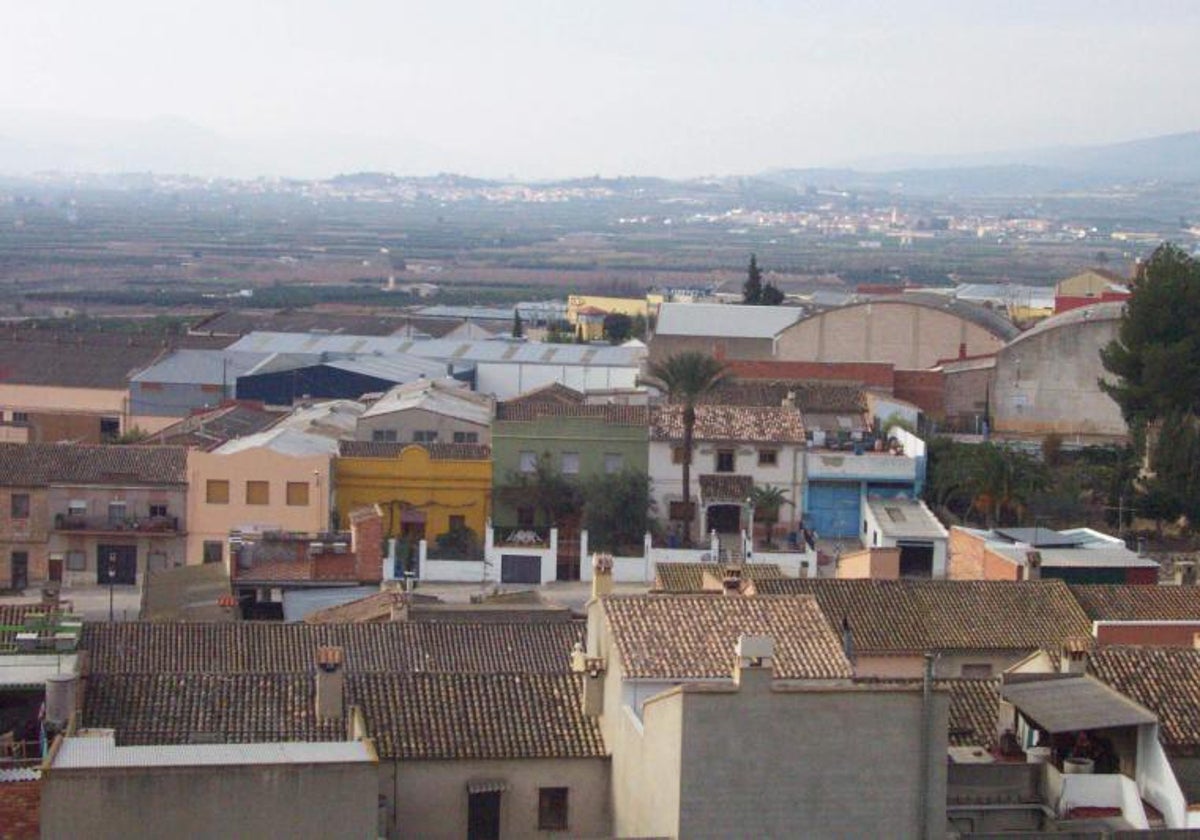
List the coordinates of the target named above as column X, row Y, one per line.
column 424, row 491
column 610, row 305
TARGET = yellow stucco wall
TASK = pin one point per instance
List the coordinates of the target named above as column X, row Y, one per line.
column 611, row 305
column 438, row 489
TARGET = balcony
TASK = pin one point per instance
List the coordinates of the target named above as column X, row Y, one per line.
column 163, row 526
column 868, row 466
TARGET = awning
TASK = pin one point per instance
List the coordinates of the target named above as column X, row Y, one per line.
column 487, row 786
column 1074, row 703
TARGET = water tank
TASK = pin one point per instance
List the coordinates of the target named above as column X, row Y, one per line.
column 60, row 698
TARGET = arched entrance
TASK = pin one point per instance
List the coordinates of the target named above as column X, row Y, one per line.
column 723, row 518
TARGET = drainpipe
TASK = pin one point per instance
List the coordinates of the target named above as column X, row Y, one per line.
column 926, row 758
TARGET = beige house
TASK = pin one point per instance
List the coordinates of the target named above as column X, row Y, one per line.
column 279, row 480
column 428, row 411
column 80, row 514
column 709, row 703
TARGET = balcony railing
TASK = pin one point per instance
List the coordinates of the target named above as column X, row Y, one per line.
column 110, row 525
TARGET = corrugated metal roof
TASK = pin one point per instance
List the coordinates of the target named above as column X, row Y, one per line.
column 201, row 367
column 730, row 320
column 98, row 752
column 444, row 350
column 1071, row 704
column 397, row 368
column 449, row 398
column 284, row 441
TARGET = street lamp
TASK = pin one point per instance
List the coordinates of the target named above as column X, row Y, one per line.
column 112, row 579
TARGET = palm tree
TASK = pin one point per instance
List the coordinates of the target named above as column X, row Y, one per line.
column 767, row 500
column 685, row 378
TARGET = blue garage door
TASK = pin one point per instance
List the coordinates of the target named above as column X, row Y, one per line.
column 833, row 509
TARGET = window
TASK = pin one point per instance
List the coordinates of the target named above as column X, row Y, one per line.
column 725, row 460
column 77, row 507
column 768, row 457
column 677, row 455
column 216, row 491
column 297, row 493
column 117, row 513
column 977, row 671
column 20, row 417
column 20, row 505
column 425, row 436
column 214, row 551
column 466, row 437
column 158, row 511
column 258, row 492
column 383, row 435
column 76, row 561
column 458, row 523
column 528, row 462
column 552, row 809
column 613, row 462
column 110, row 427
column 570, row 463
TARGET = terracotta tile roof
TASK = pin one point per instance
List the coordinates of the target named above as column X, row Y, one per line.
column 253, row 647
column 209, row 429
column 809, row 395
column 910, row 616
column 725, row 487
column 679, row 637
column 476, row 716
column 1117, row 602
column 689, row 577
column 1166, row 680
column 41, row 464
column 554, row 393
column 437, row 451
column 729, row 423
column 169, row 708
column 613, row 415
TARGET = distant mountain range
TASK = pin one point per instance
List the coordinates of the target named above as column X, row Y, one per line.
column 1173, row 158
column 38, row 142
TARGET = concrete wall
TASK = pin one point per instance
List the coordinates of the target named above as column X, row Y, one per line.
column 294, row 801
column 750, row 349
column 877, row 563
column 966, row 393
column 970, row 559
column 428, row 799
column 852, row 759
column 908, row 335
column 405, row 423
column 1047, row 381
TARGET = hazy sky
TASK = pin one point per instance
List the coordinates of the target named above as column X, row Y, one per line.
column 541, row 89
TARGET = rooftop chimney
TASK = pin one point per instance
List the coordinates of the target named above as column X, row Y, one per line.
column 731, row 582
column 754, row 662
column 847, row 639
column 602, row 575
column 1074, row 656
column 1033, row 565
column 789, row 401
column 331, row 682
column 591, row 671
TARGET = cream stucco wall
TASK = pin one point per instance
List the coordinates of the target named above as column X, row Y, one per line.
column 908, row 335
column 428, row 799
column 213, row 522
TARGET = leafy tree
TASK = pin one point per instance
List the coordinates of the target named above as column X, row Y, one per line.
column 617, row 327
column 753, row 288
column 518, row 327
column 554, row 496
column 1156, row 355
column 618, row 509
column 1155, row 360
column 771, row 296
column 685, row 378
column 637, row 327
column 995, row 482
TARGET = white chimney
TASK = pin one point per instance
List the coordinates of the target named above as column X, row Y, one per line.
column 602, row 575
column 754, row 663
